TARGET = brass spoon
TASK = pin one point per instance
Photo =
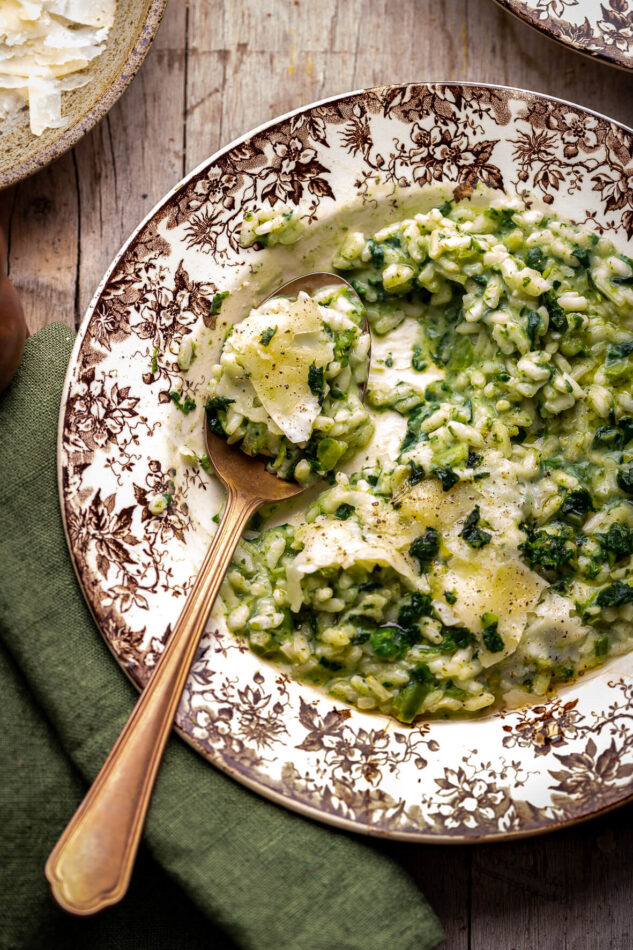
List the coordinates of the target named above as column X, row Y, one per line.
column 91, row 864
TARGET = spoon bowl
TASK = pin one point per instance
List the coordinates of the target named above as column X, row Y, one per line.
column 91, row 864
column 231, row 464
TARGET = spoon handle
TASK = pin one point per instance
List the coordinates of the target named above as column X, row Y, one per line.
column 91, row 864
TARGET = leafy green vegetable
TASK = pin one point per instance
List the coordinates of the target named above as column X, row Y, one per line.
column 446, row 475
column 601, row 646
column 617, row 435
column 577, row 504
column 624, row 479
column 616, row 595
column 417, row 473
column 473, row 535
column 343, row 344
column 548, row 551
column 455, row 638
column 316, row 381
column 425, row 548
column 557, row 316
column 533, row 326
column 417, row 360
column 389, row 643
column 218, row 299
column 535, row 259
column 267, row 335
column 490, row 634
column 582, row 255
column 617, row 543
column 419, row 606
column 212, row 407
column 344, row 511
column 331, row 665
column 185, row 407
column 619, row 351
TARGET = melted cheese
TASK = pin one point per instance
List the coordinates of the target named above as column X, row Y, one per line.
column 487, row 583
column 329, row 542
column 278, row 371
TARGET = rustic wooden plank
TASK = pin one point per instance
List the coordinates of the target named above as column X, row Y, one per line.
column 568, row 890
column 43, row 244
column 443, row 874
column 132, row 157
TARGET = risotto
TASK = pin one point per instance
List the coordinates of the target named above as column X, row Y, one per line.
column 487, row 558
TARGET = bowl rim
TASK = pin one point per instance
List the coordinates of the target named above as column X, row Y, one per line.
column 522, row 13
column 282, row 799
column 89, row 119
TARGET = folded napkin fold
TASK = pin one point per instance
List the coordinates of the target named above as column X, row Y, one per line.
column 258, row 877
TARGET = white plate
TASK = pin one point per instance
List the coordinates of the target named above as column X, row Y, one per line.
column 505, row 775
column 602, row 29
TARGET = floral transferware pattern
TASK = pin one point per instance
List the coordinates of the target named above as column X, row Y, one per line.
column 513, row 773
column 600, row 29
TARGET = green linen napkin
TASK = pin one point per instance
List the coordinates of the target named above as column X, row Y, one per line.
column 265, row 877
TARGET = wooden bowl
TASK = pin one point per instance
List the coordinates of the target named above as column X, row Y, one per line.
column 134, row 28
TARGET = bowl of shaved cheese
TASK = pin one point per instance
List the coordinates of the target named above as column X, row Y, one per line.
column 63, row 63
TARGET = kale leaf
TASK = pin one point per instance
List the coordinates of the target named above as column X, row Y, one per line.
column 425, row 548
column 557, row 316
column 316, row 381
column 474, row 536
column 616, row 595
column 446, row 475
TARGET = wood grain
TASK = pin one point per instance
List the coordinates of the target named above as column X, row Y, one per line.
column 215, row 71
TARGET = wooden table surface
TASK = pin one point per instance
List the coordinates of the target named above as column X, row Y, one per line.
column 214, row 72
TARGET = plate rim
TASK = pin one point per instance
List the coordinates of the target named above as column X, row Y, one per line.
column 79, row 128
column 517, row 9
column 279, row 798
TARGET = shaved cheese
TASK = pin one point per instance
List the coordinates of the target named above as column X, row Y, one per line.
column 43, row 46
column 277, row 371
column 506, row 588
column 328, row 542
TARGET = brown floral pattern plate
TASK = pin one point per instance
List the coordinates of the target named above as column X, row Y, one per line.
column 508, row 774
column 603, row 30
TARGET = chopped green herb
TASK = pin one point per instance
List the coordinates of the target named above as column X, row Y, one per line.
column 154, row 361
column 417, row 361
column 535, row 259
column 533, row 326
column 619, row 351
column 425, row 548
column 471, row 533
column 213, row 406
column 450, row 597
column 490, row 634
column 551, row 552
column 577, row 504
column 557, row 316
column 267, row 335
column 187, row 406
column 624, row 479
column 446, row 475
column 601, row 646
column 216, row 303
column 344, row 511
column 316, row 381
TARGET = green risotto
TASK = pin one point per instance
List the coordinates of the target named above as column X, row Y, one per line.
column 487, row 559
